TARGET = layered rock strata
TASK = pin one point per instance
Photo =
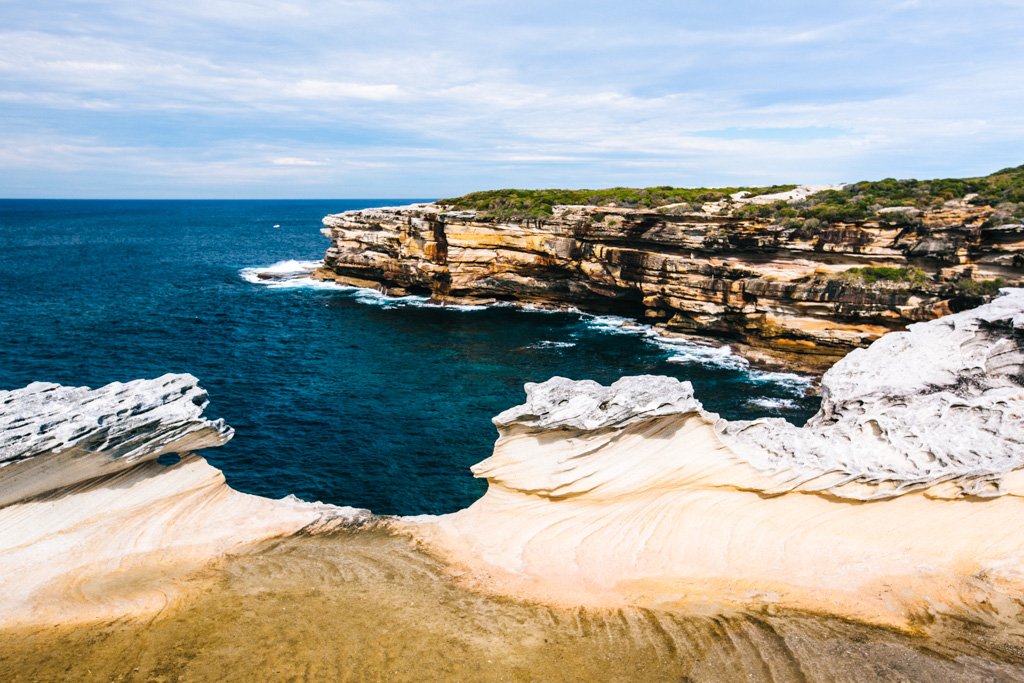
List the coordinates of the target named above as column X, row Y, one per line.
column 775, row 289
column 894, row 504
column 92, row 525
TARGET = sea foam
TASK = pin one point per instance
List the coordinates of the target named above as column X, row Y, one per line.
column 293, row 274
column 688, row 351
column 290, row 274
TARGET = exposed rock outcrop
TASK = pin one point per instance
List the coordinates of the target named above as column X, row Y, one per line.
column 896, row 501
column 52, row 436
column 941, row 402
column 85, row 506
column 776, row 287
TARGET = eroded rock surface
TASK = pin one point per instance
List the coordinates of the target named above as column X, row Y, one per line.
column 92, row 526
column 896, row 501
column 896, row 505
column 53, row 436
column 942, row 401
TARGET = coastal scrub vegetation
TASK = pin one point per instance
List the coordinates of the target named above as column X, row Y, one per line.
column 860, row 201
column 980, row 288
column 911, row 277
column 1003, row 189
column 512, row 204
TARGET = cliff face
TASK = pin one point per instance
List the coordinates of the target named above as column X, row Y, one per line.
column 774, row 287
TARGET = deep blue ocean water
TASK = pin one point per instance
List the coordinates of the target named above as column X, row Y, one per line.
column 335, row 395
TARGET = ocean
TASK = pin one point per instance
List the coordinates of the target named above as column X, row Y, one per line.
column 336, row 394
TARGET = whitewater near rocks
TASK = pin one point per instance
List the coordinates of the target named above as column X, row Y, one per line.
column 684, row 348
column 781, row 290
column 897, row 502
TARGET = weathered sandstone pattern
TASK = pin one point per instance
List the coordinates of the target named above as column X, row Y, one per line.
column 704, row 271
column 92, row 526
column 51, row 435
column 941, row 402
column 895, row 502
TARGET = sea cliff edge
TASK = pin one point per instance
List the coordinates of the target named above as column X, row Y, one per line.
column 798, row 292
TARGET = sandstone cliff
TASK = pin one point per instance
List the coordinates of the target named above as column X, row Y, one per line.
column 760, row 271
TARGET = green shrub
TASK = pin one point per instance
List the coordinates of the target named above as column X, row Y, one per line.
column 985, row 288
column 861, row 201
column 853, row 203
column 870, row 275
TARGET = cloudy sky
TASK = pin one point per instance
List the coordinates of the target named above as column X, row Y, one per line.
column 427, row 98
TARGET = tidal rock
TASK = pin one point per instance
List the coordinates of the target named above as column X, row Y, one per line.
column 900, row 498
column 86, row 506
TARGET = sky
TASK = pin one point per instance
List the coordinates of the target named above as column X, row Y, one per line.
column 425, row 99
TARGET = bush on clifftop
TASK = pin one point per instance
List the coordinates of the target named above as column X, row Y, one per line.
column 856, row 202
column 862, row 200
column 870, row 275
column 511, row 204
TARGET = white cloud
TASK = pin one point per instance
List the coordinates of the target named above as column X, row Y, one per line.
column 295, row 161
column 332, row 90
column 412, row 93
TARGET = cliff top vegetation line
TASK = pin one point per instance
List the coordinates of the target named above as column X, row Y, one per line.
column 859, row 201
column 511, row 203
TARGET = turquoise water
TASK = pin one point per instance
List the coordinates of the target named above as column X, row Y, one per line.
column 336, row 395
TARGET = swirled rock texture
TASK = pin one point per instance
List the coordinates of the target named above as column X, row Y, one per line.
column 779, row 290
column 92, row 526
column 53, row 436
column 898, row 500
column 941, row 402
column 897, row 504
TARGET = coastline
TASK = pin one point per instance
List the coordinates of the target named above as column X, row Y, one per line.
column 288, row 274
column 628, row 499
column 800, row 293
column 580, row 467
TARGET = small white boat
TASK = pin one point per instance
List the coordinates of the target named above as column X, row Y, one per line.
column 277, row 225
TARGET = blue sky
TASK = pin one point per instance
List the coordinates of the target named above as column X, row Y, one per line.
column 362, row 98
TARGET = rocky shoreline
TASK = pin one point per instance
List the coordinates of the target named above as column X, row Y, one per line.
column 892, row 511
column 103, row 506
column 896, row 499
column 883, row 508
column 800, row 294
